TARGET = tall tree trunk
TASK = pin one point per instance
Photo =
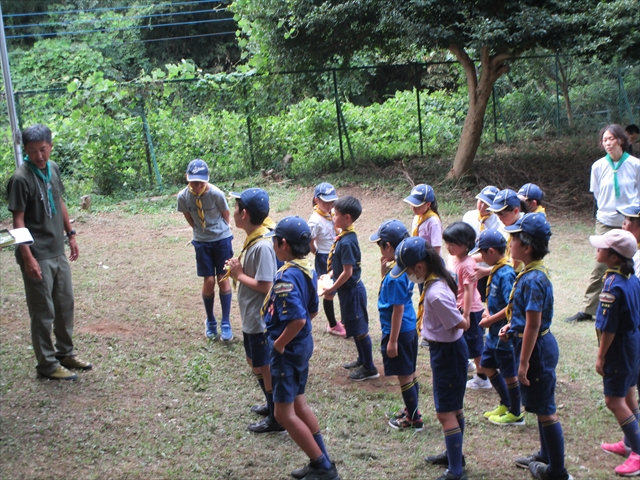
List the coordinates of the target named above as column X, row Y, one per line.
column 564, row 85
column 492, row 67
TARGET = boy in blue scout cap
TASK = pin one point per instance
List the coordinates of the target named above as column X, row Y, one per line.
column 498, row 361
column 617, row 322
column 442, row 327
column 509, row 209
column 207, row 213
column 254, row 270
column 631, row 224
column 399, row 344
column 532, row 195
column 529, row 313
column 288, row 310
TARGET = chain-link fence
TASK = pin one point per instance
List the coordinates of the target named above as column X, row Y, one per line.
column 135, row 137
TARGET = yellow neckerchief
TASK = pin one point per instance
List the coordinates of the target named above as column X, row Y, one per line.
column 614, row 270
column 251, row 240
column 389, row 267
column 302, row 263
column 535, row 265
column 499, row 264
column 199, row 204
column 430, row 279
column 325, row 215
column 420, row 219
column 540, row 209
column 482, row 219
column 344, row 232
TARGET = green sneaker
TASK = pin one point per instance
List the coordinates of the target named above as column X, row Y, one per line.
column 501, row 410
column 507, row 419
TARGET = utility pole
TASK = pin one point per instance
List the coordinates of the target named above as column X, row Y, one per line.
column 8, row 90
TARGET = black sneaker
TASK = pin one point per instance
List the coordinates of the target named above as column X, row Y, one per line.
column 322, row 474
column 351, row 365
column 524, row 462
column 301, row 472
column 441, row 459
column 450, row 476
column 578, row 317
column 360, row 374
column 405, row 423
column 260, row 409
column 268, row 424
column 540, row 471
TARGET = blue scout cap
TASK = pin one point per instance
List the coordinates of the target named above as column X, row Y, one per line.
column 503, row 199
column 392, row 231
column 197, row 171
column 410, row 251
column 489, row 238
column 530, row 191
column 632, row 211
column 420, row 195
column 293, row 229
column 534, row 224
column 487, row 194
column 326, row 192
column 254, row 199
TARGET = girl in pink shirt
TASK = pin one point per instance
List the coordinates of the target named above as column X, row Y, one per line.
column 460, row 239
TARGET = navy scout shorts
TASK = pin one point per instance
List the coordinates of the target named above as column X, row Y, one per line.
column 353, row 310
column 321, row 263
column 621, row 366
column 449, row 374
column 503, row 360
column 538, row 397
column 256, row 348
column 290, row 371
column 210, row 256
column 475, row 335
column 405, row 362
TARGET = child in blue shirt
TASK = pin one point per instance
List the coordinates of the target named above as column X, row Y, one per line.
column 617, row 322
column 344, row 266
column 399, row 345
column 529, row 312
column 206, row 211
column 498, row 361
column 288, row 310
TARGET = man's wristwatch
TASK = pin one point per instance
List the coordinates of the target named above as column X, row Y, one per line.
column 70, row 233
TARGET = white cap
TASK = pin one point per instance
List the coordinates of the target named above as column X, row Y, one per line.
column 623, row 242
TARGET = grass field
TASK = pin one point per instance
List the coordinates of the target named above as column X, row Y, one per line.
column 163, row 402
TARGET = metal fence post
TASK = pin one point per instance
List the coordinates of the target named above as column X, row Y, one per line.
column 244, row 89
column 557, row 98
column 624, row 99
column 415, row 68
column 152, row 151
column 335, row 92
column 495, row 118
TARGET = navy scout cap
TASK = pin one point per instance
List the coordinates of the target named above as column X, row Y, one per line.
column 293, row 229
column 254, row 199
column 530, row 191
column 197, row 171
column 326, row 192
column 392, row 231
column 410, row 251
column 487, row 194
column 503, row 199
column 489, row 238
column 420, row 195
column 534, row 224
column 631, row 212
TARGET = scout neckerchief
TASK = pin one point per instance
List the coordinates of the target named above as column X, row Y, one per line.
column 199, row 204
column 430, row 279
column 344, row 232
column 614, row 270
column 504, row 261
column 388, row 267
column 482, row 219
column 301, row 263
column 609, row 271
column 46, row 179
column 325, row 215
column 624, row 156
column 420, row 219
column 254, row 237
column 540, row 209
column 535, row 265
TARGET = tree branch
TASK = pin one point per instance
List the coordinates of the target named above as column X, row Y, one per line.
column 469, row 68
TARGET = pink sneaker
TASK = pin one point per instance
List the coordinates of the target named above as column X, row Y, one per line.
column 631, row 467
column 338, row 330
column 619, row 448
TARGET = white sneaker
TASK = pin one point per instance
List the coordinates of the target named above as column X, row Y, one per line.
column 471, row 366
column 476, row 383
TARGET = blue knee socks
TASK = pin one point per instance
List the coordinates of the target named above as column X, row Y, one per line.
column 225, row 303
column 410, row 397
column 501, row 388
column 514, row 398
column 453, row 441
column 365, row 351
column 554, row 443
column 208, row 307
column 318, row 438
column 461, row 422
column 631, row 434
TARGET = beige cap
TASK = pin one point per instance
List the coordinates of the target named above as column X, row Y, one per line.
column 621, row 241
